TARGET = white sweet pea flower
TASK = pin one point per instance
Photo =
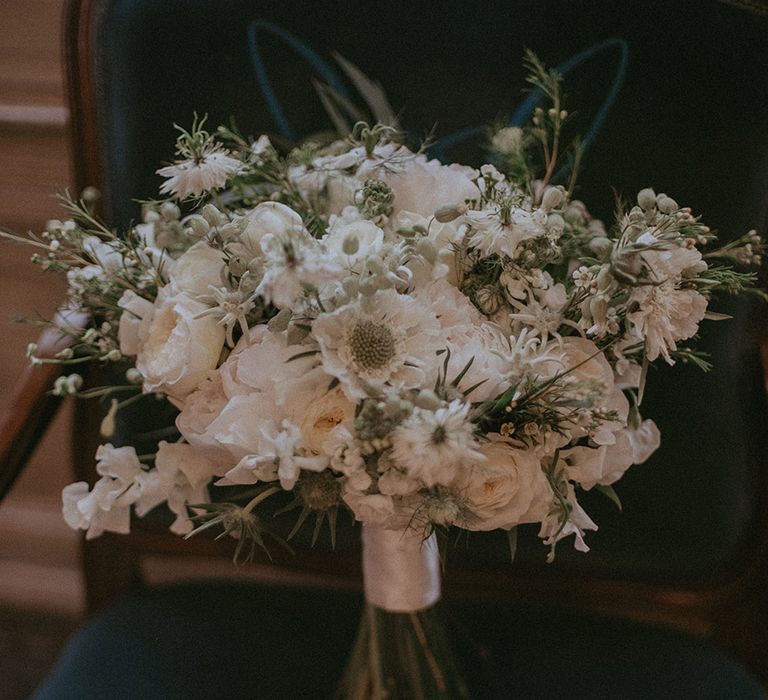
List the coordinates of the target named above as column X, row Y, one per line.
column 134, row 322
column 107, row 506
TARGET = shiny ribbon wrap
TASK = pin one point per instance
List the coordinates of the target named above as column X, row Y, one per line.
column 401, row 571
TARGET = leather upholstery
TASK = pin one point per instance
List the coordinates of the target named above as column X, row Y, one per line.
column 690, row 119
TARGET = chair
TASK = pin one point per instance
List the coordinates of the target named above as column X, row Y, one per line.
column 674, row 94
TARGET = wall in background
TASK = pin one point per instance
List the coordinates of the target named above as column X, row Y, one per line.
column 38, row 553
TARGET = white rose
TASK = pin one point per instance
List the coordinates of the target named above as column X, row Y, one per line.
column 197, row 269
column 177, row 349
column 134, row 321
column 508, row 489
column 324, row 414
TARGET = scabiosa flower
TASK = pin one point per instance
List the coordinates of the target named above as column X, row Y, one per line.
column 385, row 340
column 433, row 445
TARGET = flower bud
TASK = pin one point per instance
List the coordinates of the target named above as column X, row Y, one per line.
column 65, row 354
column 666, row 205
column 601, row 245
column 73, row 383
column 197, row 226
column 552, row 199
column 31, row 349
column 90, row 195
column 133, row 376
column 169, row 211
column 107, row 428
column 350, row 245
column 646, row 198
column 449, row 213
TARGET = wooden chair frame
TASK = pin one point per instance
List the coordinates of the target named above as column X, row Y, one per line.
column 731, row 611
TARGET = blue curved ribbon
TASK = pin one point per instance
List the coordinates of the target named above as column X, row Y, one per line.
column 437, row 150
column 262, row 76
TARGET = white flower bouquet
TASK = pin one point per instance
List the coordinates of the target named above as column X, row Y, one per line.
column 423, row 345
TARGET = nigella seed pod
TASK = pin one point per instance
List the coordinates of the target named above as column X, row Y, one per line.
column 601, row 245
column 646, row 198
column 169, row 211
column 488, row 299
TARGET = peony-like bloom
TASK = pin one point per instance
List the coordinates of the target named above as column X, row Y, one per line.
column 665, row 316
column 433, row 446
column 177, row 349
column 423, row 186
column 194, row 176
column 323, row 415
column 387, row 342
column 198, row 269
column 508, row 488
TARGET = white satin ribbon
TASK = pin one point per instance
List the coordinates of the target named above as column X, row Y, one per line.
column 401, row 571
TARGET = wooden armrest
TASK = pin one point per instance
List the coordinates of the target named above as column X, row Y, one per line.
column 32, row 406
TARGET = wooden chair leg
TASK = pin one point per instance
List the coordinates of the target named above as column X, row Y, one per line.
column 112, row 568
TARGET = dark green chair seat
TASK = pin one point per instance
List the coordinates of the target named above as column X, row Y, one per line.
column 234, row 641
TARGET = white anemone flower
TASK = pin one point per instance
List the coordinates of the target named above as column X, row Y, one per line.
column 387, row 340
column 433, row 446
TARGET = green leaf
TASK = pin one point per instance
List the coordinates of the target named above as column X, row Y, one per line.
column 512, row 539
column 610, row 493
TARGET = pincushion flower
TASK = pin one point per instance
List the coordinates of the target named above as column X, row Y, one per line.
column 387, row 340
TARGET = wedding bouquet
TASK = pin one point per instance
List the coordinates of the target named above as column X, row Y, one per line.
column 422, row 345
